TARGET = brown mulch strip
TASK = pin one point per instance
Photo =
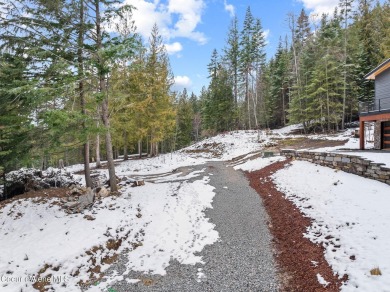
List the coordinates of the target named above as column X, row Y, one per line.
column 294, row 253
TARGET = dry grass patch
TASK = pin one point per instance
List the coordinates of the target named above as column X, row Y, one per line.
column 376, row 272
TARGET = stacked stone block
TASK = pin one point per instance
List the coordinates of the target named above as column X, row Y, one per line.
column 344, row 162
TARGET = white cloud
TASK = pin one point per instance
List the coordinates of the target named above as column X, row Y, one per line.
column 173, row 48
column 182, row 82
column 147, row 14
column 319, row 7
column 229, row 8
column 189, row 16
column 174, row 18
column 266, row 34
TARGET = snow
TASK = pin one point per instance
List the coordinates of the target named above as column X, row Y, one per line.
column 132, row 281
column 165, row 219
column 347, row 136
column 322, row 281
column 350, row 216
column 229, row 145
column 168, row 219
column 258, row 163
column 288, row 129
column 200, row 275
column 177, row 227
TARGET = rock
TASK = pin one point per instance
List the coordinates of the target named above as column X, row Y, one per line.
column 89, row 217
column 138, row 183
column 102, row 192
column 108, row 181
column 98, row 179
column 30, row 179
column 83, row 202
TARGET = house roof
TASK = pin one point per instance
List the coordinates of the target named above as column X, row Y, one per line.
column 378, row 70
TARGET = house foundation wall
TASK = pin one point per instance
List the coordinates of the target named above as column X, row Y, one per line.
column 348, row 163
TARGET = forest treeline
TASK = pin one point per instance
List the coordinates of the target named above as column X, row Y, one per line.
column 315, row 77
column 78, row 84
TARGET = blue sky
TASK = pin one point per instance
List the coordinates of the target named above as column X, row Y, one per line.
column 193, row 28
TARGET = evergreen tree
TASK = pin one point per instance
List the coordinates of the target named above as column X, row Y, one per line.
column 232, row 54
column 366, row 51
column 278, row 100
column 218, row 104
column 160, row 112
column 15, row 123
column 197, row 120
column 246, row 60
column 346, row 9
column 184, row 120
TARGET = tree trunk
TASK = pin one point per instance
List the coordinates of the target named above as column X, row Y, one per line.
column 66, row 158
column 327, row 98
column 125, row 147
column 151, row 148
column 345, row 65
column 147, row 145
column 80, row 64
column 97, row 150
column 140, row 148
column 125, row 152
column 5, row 195
column 44, row 162
column 247, row 100
column 105, row 112
column 254, row 100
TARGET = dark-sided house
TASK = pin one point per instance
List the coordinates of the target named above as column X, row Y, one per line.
column 378, row 111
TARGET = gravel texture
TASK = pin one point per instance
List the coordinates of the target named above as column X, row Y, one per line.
column 242, row 260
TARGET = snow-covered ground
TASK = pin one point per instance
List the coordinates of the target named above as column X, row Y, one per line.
column 165, row 220
column 351, row 220
column 258, row 163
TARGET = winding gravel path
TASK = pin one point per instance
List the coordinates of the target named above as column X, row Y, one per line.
column 241, row 260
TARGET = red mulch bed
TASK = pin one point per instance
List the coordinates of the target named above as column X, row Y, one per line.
column 294, row 253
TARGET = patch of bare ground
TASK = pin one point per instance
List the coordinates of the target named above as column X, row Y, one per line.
column 40, row 195
column 299, row 259
column 305, row 143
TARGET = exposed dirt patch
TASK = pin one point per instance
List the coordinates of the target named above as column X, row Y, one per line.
column 299, row 259
column 305, row 143
column 215, row 149
column 40, row 194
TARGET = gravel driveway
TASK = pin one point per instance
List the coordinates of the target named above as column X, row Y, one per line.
column 241, row 260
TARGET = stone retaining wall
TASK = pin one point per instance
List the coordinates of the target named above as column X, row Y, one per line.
column 344, row 162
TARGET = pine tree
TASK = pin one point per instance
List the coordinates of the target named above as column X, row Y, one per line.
column 15, row 123
column 346, row 8
column 184, row 120
column 197, row 120
column 161, row 115
column 246, row 60
column 218, row 112
column 232, row 54
column 366, row 55
column 301, row 67
column 278, row 99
